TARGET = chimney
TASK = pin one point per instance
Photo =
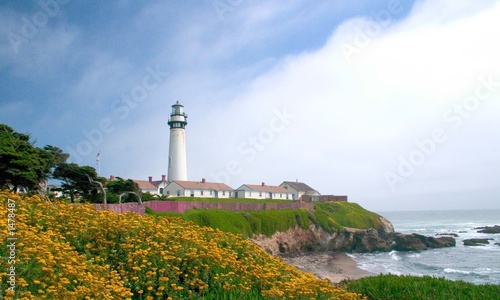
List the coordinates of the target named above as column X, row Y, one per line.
column 150, row 178
column 111, row 177
column 163, row 177
column 203, row 180
column 263, row 183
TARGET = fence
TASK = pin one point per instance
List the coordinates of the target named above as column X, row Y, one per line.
column 180, row 206
column 120, row 208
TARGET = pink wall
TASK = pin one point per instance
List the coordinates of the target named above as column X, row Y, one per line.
column 120, row 208
column 180, row 207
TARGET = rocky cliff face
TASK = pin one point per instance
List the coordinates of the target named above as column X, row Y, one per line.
column 349, row 240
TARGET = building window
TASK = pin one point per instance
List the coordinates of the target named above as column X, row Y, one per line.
column 192, row 193
column 223, row 193
column 201, row 192
column 168, row 192
column 211, row 193
column 178, row 193
column 281, row 195
column 286, row 196
column 250, row 194
column 161, row 191
column 260, row 194
column 230, row 194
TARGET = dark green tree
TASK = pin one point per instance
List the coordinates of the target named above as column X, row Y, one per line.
column 22, row 165
column 79, row 182
column 119, row 186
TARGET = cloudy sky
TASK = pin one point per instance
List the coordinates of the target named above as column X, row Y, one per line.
column 393, row 103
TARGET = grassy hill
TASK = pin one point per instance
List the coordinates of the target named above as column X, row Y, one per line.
column 66, row 251
column 329, row 216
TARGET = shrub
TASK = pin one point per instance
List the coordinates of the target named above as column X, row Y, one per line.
column 69, row 251
column 393, row 287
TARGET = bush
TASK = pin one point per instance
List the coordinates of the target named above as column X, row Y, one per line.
column 393, row 287
column 69, row 251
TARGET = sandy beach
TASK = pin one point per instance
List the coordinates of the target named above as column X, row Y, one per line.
column 332, row 265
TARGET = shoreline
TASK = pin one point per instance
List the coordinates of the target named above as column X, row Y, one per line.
column 335, row 266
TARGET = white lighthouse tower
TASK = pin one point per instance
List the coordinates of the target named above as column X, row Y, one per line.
column 177, row 169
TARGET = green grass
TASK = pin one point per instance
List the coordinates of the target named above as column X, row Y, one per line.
column 346, row 214
column 332, row 216
column 393, row 287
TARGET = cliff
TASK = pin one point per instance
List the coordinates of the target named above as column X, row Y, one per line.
column 348, row 239
column 331, row 226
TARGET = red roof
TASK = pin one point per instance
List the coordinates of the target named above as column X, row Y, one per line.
column 145, row 185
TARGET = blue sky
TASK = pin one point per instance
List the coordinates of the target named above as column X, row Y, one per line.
column 394, row 103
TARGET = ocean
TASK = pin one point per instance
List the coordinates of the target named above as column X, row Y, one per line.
column 478, row 265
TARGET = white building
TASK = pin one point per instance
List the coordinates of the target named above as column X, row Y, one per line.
column 177, row 166
column 154, row 187
column 299, row 189
column 263, row 191
column 203, row 189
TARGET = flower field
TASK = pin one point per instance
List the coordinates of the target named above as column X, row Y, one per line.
column 68, row 251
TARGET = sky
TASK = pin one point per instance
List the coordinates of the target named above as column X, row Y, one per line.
column 393, row 103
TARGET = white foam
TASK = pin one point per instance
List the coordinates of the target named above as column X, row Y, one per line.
column 450, row 270
column 394, row 255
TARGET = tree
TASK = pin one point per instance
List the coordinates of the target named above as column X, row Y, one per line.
column 21, row 164
column 54, row 157
column 119, row 186
column 79, row 182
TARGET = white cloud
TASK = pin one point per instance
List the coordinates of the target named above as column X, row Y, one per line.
column 355, row 119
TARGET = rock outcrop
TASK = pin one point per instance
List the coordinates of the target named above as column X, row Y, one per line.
column 416, row 242
column 489, row 229
column 349, row 240
column 476, row 242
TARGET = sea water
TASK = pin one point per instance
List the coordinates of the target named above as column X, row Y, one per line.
column 475, row 264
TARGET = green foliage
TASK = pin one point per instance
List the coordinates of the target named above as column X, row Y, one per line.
column 246, row 223
column 121, row 187
column 390, row 287
column 331, row 216
column 224, row 220
column 79, row 181
column 345, row 214
column 23, row 165
column 151, row 197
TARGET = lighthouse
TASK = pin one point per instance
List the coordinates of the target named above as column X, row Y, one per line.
column 177, row 168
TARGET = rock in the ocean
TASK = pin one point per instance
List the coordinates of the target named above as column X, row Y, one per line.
column 489, row 229
column 476, row 242
column 417, row 242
